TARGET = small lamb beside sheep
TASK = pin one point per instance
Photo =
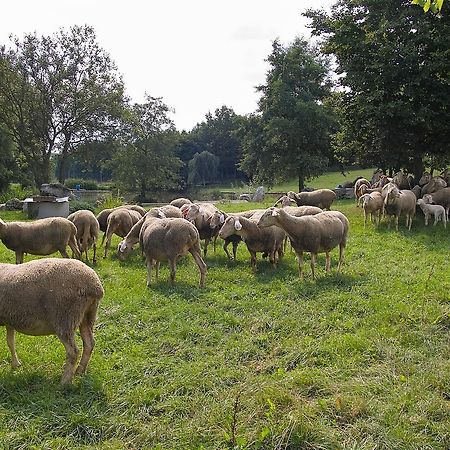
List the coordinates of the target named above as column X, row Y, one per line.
column 429, row 210
column 51, row 296
column 41, row 237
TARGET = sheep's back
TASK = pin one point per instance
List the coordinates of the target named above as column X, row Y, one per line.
column 322, row 198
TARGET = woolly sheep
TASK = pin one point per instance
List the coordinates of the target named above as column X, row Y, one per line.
column 41, row 237
column 51, row 296
column 429, row 210
column 357, row 188
column 372, row 204
column 314, row 234
column 322, row 198
column 441, row 197
column 397, row 202
column 87, row 231
column 102, row 216
column 179, row 202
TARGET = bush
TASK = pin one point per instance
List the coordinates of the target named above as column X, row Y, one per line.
column 84, row 184
column 76, row 205
column 109, row 202
column 16, row 191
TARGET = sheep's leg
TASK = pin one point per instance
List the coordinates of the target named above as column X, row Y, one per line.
column 327, row 261
column 94, row 259
column 173, row 270
column 365, row 218
column 87, row 335
column 108, row 243
column 341, row 255
column 149, row 264
column 313, row 265
column 74, row 246
column 300, row 264
column 215, row 242
column 253, row 260
column 272, row 259
column 205, row 248
column 64, row 253
column 235, row 246
column 72, row 353
column 200, row 264
column 19, row 257
column 225, row 245
column 396, row 222
column 11, row 341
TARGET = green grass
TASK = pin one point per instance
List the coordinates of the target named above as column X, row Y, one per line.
column 357, row 360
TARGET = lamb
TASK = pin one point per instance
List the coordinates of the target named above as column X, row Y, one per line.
column 397, row 202
column 120, row 222
column 268, row 240
column 102, row 216
column 179, row 202
column 168, row 240
column 41, row 237
column 51, row 296
column 315, row 234
column 322, row 198
column 87, row 231
column 429, row 210
column 372, row 203
column 441, row 197
column 126, row 246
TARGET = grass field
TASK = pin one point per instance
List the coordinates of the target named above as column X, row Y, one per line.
column 357, row 360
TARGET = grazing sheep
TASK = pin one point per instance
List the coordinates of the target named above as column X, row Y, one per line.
column 87, row 231
column 267, row 240
column 41, row 237
column 51, row 296
column 429, row 210
column 397, row 202
column 120, row 222
column 441, row 197
column 322, row 198
column 179, row 202
column 315, row 234
column 102, row 216
column 168, row 240
column 357, row 188
column 372, row 204
column 126, row 246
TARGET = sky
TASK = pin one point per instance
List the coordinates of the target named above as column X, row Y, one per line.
column 197, row 55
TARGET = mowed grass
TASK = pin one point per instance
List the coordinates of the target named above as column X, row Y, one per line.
column 356, row 360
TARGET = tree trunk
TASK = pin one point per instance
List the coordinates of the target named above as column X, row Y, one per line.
column 41, row 171
column 143, row 190
column 63, row 160
column 417, row 168
column 301, row 183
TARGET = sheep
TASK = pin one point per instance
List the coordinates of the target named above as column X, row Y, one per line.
column 357, row 188
column 372, row 203
column 41, row 237
column 397, row 202
column 269, row 241
column 322, row 198
column 441, row 197
column 434, row 185
column 51, row 296
column 285, row 201
column 437, row 211
column 201, row 214
column 102, row 216
column 403, row 181
column 167, row 240
column 179, row 202
column 87, row 231
column 417, row 191
column 126, row 246
column 315, row 234
column 120, row 222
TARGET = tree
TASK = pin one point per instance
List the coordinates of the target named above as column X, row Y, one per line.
column 57, row 92
column 392, row 62
column 203, row 168
column 8, row 167
column 434, row 6
column 147, row 160
column 290, row 135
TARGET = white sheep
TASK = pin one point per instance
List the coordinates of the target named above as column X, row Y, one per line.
column 87, row 231
column 372, row 204
column 429, row 210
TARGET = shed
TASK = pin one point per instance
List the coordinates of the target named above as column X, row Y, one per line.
column 40, row 207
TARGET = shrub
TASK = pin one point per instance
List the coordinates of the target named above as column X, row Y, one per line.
column 84, row 184
column 16, row 191
column 76, row 205
column 109, row 202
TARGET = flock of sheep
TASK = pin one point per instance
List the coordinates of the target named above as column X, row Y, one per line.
column 59, row 296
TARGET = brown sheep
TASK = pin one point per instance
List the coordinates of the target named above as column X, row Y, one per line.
column 51, row 296
column 322, row 198
column 397, row 202
column 102, row 216
column 179, row 202
column 357, row 188
column 41, row 237
column 87, row 231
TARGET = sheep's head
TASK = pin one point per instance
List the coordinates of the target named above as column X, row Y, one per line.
column 229, row 227
column 191, row 212
column 286, row 201
column 217, row 219
column 427, row 198
column 123, row 250
column 426, row 178
column 268, row 218
column 292, row 195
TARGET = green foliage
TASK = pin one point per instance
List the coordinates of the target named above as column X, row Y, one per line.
column 8, row 167
column 110, row 202
column 203, row 168
column 393, row 65
column 290, row 135
column 76, row 205
column 84, row 184
column 17, row 191
column 434, row 6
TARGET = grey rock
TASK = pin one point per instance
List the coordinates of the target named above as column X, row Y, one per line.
column 57, row 190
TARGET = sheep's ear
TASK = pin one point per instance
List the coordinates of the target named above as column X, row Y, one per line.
column 275, row 213
column 122, row 246
column 222, row 218
column 237, row 225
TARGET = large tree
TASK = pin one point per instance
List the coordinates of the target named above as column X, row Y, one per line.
column 393, row 66
column 57, row 92
column 8, row 166
column 290, row 135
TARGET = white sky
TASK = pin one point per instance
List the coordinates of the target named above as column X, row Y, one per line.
column 198, row 55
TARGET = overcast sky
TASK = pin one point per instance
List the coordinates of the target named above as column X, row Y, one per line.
column 198, row 55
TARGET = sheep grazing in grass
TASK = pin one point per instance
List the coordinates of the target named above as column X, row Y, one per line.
column 126, row 246
column 372, row 204
column 102, row 216
column 120, row 222
column 51, row 296
column 41, row 237
column 441, row 197
column 87, row 231
column 268, row 240
column 168, row 240
column 429, row 210
column 179, row 202
column 322, row 198
column 398, row 202
column 314, row 234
